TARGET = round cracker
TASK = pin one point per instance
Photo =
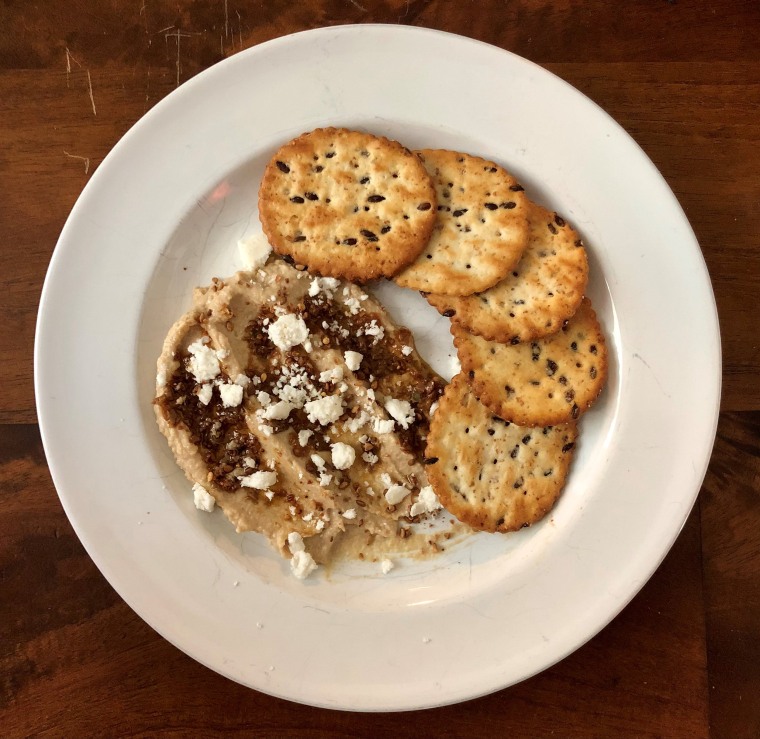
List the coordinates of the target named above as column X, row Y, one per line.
column 491, row 474
column 543, row 382
column 347, row 204
column 481, row 230
column 544, row 289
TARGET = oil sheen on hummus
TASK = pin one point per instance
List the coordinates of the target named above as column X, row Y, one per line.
column 302, row 410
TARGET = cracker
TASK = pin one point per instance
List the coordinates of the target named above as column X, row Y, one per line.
column 544, row 289
column 491, row 474
column 347, row 204
column 542, row 382
column 481, row 229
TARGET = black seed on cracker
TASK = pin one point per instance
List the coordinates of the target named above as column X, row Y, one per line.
column 375, row 199
column 296, row 199
column 283, row 167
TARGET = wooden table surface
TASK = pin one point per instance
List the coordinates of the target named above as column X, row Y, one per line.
column 683, row 78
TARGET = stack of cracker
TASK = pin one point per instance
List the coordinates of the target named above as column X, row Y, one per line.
column 510, row 274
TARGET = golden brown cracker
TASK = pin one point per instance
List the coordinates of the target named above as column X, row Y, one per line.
column 347, row 204
column 544, row 289
column 547, row 381
column 481, row 229
column 491, row 474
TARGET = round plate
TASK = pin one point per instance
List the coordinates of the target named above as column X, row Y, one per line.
column 163, row 213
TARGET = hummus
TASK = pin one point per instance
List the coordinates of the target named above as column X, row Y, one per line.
column 298, row 405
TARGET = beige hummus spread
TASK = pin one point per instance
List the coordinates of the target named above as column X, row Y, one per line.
column 302, row 410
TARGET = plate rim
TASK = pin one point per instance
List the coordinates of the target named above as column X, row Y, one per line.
column 102, row 172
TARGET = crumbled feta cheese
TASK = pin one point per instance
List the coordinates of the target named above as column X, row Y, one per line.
column 354, row 424
column 203, row 363
column 385, row 478
column 370, row 394
column 295, row 542
column 318, row 461
column 324, row 479
column 401, row 411
column 231, row 395
column 373, row 329
column 204, row 394
column 332, row 375
column 396, row 493
column 249, row 462
column 259, row 480
column 353, row 305
column 343, row 456
column 288, row 331
column 326, row 285
column 269, row 494
column 406, row 350
column 382, row 427
column 324, row 410
column 222, row 353
column 302, row 565
column 319, row 525
column 386, row 566
column 342, row 387
column 303, row 436
column 203, row 500
column 350, row 514
column 433, row 408
column 242, row 380
column 427, row 502
column 278, row 411
column 370, row 458
column 263, row 397
column 254, row 251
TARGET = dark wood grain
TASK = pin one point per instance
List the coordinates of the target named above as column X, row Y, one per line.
column 683, row 78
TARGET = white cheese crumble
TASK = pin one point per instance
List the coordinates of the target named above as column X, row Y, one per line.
column 396, row 493
column 204, row 394
column 350, row 514
column 354, row 424
column 433, row 408
column 343, row 456
column 263, row 397
column 278, row 411
column 302, row 563
column 324, row 410
column 259, row 480
column 373, row 329
column 382, row 427
column 203, row 364
column 288, row 331
column 353, row 305
column 427, row 502
column 386, row 565
column 254, row 251
column 406, row 350
column 332, row 375
column 303, row 436
column 242, row 380
column 231, row 395
column 319, row 525
column 326, row 285
column 370, row 458
column 203, row 500
column 401, row 411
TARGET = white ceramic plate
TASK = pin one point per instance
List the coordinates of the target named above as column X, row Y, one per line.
column 163, row 213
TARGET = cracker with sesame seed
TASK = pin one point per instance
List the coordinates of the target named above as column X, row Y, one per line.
column 544, row 289
column 347, row 204
column 481, row 228
column 547, row 381
column 491, row 474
